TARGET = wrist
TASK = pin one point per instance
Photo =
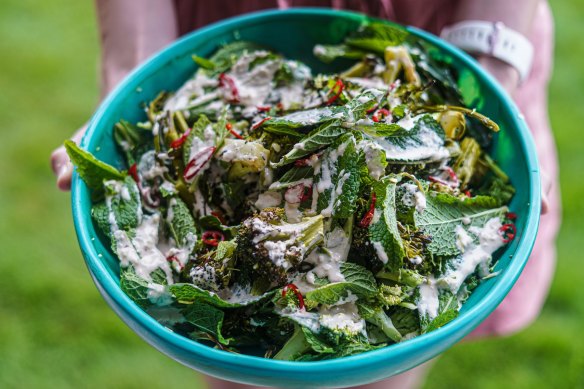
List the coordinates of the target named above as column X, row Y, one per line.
column 492, row 39
column 506, row 74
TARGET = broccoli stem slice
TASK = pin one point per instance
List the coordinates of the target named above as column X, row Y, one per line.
column 381, row 320
column 295, row 346
column 402, row 276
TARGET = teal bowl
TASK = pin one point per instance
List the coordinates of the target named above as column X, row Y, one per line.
column 294, row 33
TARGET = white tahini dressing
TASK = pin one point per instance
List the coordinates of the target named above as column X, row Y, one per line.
column 473, row 255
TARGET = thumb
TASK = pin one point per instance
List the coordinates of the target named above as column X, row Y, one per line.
column 62, row 168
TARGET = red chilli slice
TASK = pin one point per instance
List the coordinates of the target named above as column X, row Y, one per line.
column 212, row 238
column 366, row 221
column 225, row 80
column 265, row 108
column 198, row 162
column 229, row 128
column 259, row 124
column 294, row 289
column 180, row 141
column 219, row 216
column 340, row 87
column 508, row 232
column 133, row 171
column 511, row 215
column 172, row 259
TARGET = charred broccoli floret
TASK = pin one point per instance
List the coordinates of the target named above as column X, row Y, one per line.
column 213, row 270
column 269, row 249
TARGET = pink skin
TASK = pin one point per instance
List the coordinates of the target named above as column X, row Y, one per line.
column 128, row 41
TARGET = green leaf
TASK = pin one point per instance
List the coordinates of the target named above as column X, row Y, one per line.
column 444, row 213
column 137, row 288
column 124, row 203
column 358, row 280
column 337, row 180
column 380, row 130
column 377, row 36
column 328, row 53
column 384, row 233
column 181, row 225
column 203, row 62
column 226, row 56
column 322, row 136
column 440, row 320
column 93, row 171
column 315, row 343
column 198, row 131
column 296, row 175
column 288, row 124
column 420, row 143
column 448, row 308
column 206, row 318
column 358, row 107
column 189, row 294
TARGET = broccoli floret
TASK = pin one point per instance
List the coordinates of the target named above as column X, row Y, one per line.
column 269, row 248
column 212, row 270
column 362, row 251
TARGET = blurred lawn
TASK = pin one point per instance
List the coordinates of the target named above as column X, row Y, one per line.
column 56, row 331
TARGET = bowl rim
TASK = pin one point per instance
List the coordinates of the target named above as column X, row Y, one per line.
column 470, row 318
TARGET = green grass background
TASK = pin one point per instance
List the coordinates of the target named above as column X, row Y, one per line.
column 56, row 331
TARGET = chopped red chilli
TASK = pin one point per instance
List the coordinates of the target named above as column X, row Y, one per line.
column 196, row 164
column 212, row 238
column 229, row 128
column 172, row 259
column 508, row 232
column 225, row 80
column 294, row 289
column 133, row 171
column 366, row 221
column 175, row 144
column 511, row 215
column 219, row 216
column 339, row 86
column 258, row 124
column 264, row 108
column 307, row 193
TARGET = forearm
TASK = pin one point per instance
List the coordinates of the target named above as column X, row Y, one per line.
column 515, row 14
column 131, row 31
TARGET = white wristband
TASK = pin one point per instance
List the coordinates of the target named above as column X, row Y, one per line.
column 494, row 39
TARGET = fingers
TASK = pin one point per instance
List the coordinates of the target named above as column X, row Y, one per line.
column 62, row 168
column 507, row 75
column 61, row 165
column 546, row 187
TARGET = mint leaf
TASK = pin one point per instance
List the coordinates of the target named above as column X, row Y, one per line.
column 448, row 307
column 328, row 53
column 319, row 138
column 444, row 213
column 316, row 344
column 206, row 318
column 189, row 294
column 137, row 288
column 377, row 36
column 337, row 179
column 358, row 280
column 91, row 170
column 123, row 200
column 181, row 224
column 384, row 233
column 197, row 131
column 296, row 175
column 423, row 142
